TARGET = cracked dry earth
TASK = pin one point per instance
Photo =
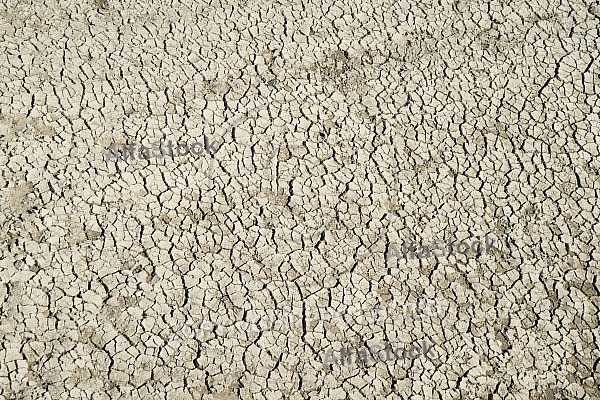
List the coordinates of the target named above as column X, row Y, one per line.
column 346, row 128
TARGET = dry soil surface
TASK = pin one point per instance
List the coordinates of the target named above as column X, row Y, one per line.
column 269, row 264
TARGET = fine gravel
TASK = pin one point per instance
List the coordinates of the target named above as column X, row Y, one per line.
column 282, row 247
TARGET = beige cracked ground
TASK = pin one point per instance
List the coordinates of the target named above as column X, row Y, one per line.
column 347, row 128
